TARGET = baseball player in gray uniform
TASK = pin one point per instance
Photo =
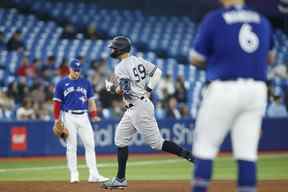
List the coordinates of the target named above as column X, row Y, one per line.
column 134, row 80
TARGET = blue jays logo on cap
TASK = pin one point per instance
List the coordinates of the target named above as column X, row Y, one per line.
column 75, row 65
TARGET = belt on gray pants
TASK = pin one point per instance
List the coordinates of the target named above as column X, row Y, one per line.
column 128, row 106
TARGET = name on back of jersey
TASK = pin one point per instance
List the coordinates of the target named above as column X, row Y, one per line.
column 241, row 16
column 72, row 89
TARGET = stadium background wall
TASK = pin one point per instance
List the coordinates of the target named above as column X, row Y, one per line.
column 35, row 138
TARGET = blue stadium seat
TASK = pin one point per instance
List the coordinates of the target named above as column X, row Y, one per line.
column 151, row 35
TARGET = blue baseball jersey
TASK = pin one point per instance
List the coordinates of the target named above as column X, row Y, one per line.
column 73, row 94
column 234, row 41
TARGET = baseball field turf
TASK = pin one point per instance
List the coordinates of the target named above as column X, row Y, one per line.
column 144, row 173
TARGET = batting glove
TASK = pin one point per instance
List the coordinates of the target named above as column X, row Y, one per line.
column 108, row 85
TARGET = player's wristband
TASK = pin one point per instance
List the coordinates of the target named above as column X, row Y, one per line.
column 93, row 114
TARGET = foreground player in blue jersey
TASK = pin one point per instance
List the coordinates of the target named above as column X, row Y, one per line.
column 234, row 45
column 73, row 104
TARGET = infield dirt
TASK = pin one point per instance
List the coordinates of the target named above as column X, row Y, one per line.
column 134, row 186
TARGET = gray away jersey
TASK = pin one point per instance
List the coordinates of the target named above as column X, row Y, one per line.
column 138, row 71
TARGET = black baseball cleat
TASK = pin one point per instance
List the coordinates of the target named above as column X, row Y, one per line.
column 188, row 156
column 115, row 183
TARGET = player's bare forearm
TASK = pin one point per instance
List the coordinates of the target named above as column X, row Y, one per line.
column 271, row 57
column 198, row 63
column 197, row 59
column 93, row 111
column 91, row 105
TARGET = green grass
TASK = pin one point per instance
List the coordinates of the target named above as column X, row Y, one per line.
column 271, row 167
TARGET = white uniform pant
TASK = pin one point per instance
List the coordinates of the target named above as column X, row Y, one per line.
column 139, row 118
column 230, row 106
column 80, row 124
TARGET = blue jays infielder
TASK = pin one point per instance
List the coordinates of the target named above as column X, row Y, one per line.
column 234, row 45
column 74, row 102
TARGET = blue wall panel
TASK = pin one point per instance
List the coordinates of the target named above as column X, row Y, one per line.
column 41, row 141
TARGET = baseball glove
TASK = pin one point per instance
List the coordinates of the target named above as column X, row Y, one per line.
column 59, row 130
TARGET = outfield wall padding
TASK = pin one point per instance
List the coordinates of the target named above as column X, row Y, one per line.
column 35, row 138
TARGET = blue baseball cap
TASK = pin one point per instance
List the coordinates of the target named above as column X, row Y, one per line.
column 75, row 65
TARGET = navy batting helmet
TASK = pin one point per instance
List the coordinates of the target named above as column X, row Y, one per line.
column 120, row 44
